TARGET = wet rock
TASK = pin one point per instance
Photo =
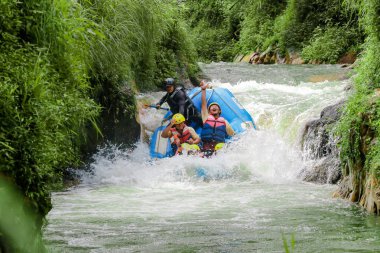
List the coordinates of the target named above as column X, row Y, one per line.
column 344, row 190
column 325, row 170
column 295, row 58
column 321, row 155
column 328, row 77
column 238, row 58
column 370, row 200
column 254, row 58
column 247, row 58
column 348, row 58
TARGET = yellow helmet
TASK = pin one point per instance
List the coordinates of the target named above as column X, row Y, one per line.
column 219, row 146
column 178, row 118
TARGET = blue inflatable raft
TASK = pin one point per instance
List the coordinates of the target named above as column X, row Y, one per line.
column 232, row 111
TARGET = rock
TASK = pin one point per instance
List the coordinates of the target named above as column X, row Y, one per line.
column 325, row 170
column 280, row 59
column 327, row 77
column 370, row 200
column 320, row 149
column 238, row 58
column 295, row 58
column 254, row 58
column 247, row 57
column 348, row 58
column 267, row 59
column 377, row 92
column 344, row 189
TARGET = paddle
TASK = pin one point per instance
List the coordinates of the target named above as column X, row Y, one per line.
column 154, row 106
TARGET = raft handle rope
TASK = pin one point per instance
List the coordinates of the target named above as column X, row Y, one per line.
column 214, row 91
column 238, row 114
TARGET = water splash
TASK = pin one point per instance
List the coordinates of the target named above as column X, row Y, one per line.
column 255, row 155
column 272, row 153
column 248, row 199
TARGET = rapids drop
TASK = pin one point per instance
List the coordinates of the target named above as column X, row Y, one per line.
column 251, row 199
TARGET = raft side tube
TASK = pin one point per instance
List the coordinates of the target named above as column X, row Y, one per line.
column 160, row 147
column 232, row 110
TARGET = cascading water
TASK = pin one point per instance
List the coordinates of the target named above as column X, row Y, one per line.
column 251, row 199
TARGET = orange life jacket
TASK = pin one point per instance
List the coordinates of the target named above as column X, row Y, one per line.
column 182, row 137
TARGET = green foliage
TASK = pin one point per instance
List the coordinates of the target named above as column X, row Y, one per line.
column 41, row 121
column 56, row 58
column 292, row 243
column 257, row 28
column 329, row 44
column 18, row 232
column 176, row 55
column 136, row 40
column 212, row 43
column 214, row 27
column 44, row 105
column 301, row 17
column 359, row 128
column 224, row 28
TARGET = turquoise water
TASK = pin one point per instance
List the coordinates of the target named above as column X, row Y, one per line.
column 252, row 200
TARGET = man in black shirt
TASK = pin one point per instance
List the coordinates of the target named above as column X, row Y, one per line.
column 179, row 102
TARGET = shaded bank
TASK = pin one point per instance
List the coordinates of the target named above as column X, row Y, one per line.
column 359, row 127
column 69, row 73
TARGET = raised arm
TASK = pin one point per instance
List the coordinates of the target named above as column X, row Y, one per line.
column 167, row 133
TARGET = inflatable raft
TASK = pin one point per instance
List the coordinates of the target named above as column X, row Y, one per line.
column 232, row 111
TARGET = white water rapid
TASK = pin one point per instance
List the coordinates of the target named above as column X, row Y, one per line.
column 252, row 199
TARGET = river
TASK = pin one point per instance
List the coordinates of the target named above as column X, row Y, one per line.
column 252, row 199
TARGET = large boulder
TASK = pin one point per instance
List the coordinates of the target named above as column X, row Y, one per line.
column 322, row 163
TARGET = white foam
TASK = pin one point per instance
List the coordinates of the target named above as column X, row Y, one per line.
column 268, row 154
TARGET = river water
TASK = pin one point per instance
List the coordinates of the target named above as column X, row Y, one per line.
column 251, row 200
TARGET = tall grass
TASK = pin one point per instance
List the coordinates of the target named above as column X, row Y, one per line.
column 359, row 128
column 281, row 26
column 257, row 28
column 134, row 38
column 214, row 27
column 64, row 63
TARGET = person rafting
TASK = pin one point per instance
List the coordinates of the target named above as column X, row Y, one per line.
column 179, row 102
column 182, row 137
column 215, row 128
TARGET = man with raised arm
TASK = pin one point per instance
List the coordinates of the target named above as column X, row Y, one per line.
column 215, row 128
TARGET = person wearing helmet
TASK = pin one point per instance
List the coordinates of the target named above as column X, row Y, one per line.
column 181, row 134
column 179, row 102
column 215, row 128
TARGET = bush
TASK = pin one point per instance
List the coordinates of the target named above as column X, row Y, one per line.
column 301, row 18
column 327, row 45
column 43, row 98
column 361, row 117
column 42, row 121
column 257, row 28
column 214, row 27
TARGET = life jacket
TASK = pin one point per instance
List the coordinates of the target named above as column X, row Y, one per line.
column 214, row 130
column 190, row 109
column 182, row 137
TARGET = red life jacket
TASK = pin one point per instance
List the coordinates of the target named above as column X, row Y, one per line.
column 182, row 137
